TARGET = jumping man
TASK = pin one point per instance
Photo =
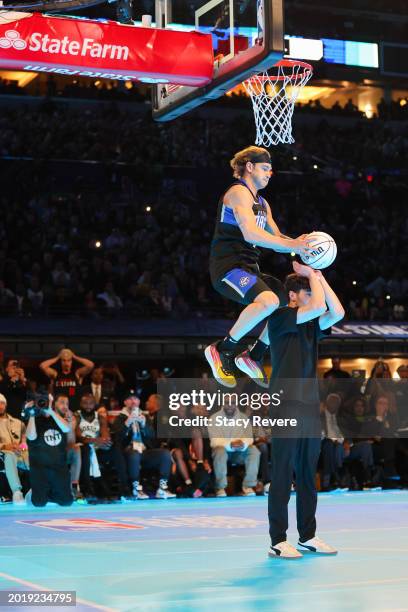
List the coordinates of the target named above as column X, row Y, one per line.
column 244, row 223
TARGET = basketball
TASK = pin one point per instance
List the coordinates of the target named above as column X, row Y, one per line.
column 324, row 251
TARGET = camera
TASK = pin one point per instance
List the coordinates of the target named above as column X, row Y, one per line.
column 41, row 402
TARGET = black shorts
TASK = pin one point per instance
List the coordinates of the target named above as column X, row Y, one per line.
column 244, row 285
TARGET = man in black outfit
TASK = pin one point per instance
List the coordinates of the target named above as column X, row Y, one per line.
column 294, row 333
column 47, row 446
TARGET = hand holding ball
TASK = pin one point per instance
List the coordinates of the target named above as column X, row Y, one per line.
column 323, row 251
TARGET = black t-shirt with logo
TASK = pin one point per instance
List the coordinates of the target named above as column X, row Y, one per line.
column 294, row 352
column 50, row 446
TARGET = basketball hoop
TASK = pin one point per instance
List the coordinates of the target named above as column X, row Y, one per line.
column 273, row 94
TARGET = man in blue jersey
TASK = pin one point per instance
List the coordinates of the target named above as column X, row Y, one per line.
column 245, row 223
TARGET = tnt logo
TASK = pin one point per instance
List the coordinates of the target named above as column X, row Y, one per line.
column 243, row 281
column 12, row 39
column 52, row 437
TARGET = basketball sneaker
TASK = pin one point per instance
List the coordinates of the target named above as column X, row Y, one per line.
column 316, row 545
column 222, row 365
column 18, row 497
column 163, row 492
column 137, row 491
column 284, row 550
column 248, row 492
column 253, row 369
column 220, row 493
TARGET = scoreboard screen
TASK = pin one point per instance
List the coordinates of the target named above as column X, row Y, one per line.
column 350, row 53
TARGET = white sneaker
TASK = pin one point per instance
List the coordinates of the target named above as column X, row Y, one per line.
column 163, row 492
column 248, row 492
column 284, row 550
column 266, row 488
column 138, row 492
column 18, row 498
column 316, row 545
column 28, row 498
column 220, row 493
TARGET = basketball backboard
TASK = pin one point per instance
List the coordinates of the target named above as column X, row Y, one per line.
column 247, row 38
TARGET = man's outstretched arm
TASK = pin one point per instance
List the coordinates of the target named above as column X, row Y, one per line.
column 335, row 310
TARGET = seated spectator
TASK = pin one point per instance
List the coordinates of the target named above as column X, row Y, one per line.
column 112, row 302
column 14, row 387
column 13, row 450
column 332, row 450
column 384, row 430
column 234, row 445
column 379, row 373
column 129, row 432
column 342, row 448
column 336, row 371
column 401, row 395
column 262, row 441
column 47, row 437
column 63, row 377
column 92, row 432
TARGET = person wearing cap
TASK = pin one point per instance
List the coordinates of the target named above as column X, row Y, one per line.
column 244, row 223
column 131, row 433
column 13, row 450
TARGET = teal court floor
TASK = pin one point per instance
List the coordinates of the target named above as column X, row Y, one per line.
column 209, row 555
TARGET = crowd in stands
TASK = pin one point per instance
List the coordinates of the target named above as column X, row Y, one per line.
column 115, row 91
column 87, row 436
column 137, row 244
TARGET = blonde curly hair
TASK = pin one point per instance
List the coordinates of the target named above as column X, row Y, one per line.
column 250, row 154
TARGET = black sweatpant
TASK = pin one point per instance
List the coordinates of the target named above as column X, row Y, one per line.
column 289, row 456
column 50, row 483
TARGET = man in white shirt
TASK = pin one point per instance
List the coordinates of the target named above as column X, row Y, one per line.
column 232, row 442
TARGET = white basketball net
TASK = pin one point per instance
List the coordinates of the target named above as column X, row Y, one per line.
column 273, row 99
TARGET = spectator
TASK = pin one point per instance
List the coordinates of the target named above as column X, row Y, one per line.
column 129, row 431
column 92, row 432
column 262, row 441
column 384, row 430
column 332, row 450
column 14, row 387
column 13, row 450
column 63, row 377
column 336, row 371
column 47, row 437
column 234, row 445
column 101, row 387
column 111, row 300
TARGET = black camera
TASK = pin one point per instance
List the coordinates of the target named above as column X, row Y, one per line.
column 40, row 404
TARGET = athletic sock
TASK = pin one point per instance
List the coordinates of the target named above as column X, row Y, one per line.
column 188, row 482
column 228, row 344
column 258, row 350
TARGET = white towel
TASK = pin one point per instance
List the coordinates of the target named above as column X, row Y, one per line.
column 94, row 470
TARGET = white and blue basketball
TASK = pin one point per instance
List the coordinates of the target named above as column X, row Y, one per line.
column 323, row 253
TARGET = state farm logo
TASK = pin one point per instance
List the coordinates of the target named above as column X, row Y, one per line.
column 12, row 39
column 64, row 46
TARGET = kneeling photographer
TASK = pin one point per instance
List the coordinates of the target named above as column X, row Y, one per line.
column 47, row 437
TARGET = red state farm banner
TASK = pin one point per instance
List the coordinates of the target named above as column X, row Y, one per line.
column 110, row 50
